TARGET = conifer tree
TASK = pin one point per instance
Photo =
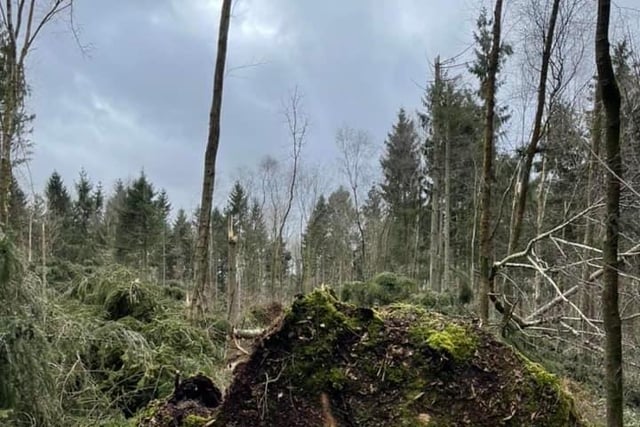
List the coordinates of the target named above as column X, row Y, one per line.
column 59, row 215
column 401, row 189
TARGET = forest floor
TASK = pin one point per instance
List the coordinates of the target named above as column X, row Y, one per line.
column 325, row 362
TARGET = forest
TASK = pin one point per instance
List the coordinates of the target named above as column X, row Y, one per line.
column 494, row 228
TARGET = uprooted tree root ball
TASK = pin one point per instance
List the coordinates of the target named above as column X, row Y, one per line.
column 399, row 366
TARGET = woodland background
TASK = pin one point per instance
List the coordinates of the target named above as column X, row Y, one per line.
column 113, row 263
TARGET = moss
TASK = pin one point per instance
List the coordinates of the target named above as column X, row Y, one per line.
column 195, row 421
column 454, row 339
column 545, row 380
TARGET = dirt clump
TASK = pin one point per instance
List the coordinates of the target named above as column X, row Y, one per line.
column 192, row 404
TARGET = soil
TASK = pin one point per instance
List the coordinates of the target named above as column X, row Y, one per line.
column 327, row 363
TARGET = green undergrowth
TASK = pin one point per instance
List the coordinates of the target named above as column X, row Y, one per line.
column 399, row 365
column 103, row 350
column 390, row 288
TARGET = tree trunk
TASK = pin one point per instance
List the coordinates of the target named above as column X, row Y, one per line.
column 486, row 244
column 610, row 310
column 435, row 244
column 541, row 197
column 199, row 296
column 588, row 306
column 523, row 187
column 446, row 268
column 233, row 293
column 9, row 114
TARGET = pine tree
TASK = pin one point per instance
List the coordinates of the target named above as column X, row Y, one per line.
column 59, row 215
column 180, row 249
column 315, row 243
column 141, row 222
column 373, row 214
column 342, row 238
column 256, row 240
column 82, row 239
column 401, row 189
column 451, row 120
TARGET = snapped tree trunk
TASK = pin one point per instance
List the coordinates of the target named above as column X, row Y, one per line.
column 486, row 244
column 199, row 303
column 610, row 310
column 233, row 290
column 523, row 186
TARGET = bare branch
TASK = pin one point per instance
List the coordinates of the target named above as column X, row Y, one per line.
column 529, row 247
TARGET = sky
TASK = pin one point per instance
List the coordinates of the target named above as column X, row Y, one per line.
column 137, row 95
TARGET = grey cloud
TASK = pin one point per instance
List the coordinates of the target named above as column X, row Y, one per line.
column 142, row 98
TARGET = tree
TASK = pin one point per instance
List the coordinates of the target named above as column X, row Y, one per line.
column 314, row 245
column 610, row 311
column 140, row 224
column 59, row 214
column 355, row 147
column 180, row 248
column 255, row 242
column 450, row 119
column 199, row 303
column 22, row 21
column 237, row 212
column 297, row 126
column 489, row 92
column 523, row 184
column 373, row 220
column 341, row 237
column 401, row 190
column 85, row 209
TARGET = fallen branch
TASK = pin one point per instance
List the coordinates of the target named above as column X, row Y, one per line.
column 247, row 334
column 516, row 255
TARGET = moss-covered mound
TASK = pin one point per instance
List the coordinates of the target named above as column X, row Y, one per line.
column 400, row 366
column 333, row 364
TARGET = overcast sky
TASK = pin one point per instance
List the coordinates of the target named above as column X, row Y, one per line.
column 140, row 96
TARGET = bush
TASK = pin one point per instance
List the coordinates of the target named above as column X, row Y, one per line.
column 383, row 289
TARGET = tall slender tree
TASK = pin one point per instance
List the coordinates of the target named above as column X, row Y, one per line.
column 199, row 303
column 489, row 95
column 402, row 189
column 525, row 172
column 610, row 310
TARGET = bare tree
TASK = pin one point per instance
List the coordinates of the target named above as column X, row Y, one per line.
column 22, row 22
column 297, row 126
column 523, row 184
column 355, row 147
column 610, row 311
column 199, row 303
column 489, row 92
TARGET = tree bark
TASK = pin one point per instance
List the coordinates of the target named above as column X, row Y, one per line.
column 233, row 291
column 486, row 244
column 435, row 262
column 610, row 310
column 523, row 187
column 199, row 304
column 596, row 137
